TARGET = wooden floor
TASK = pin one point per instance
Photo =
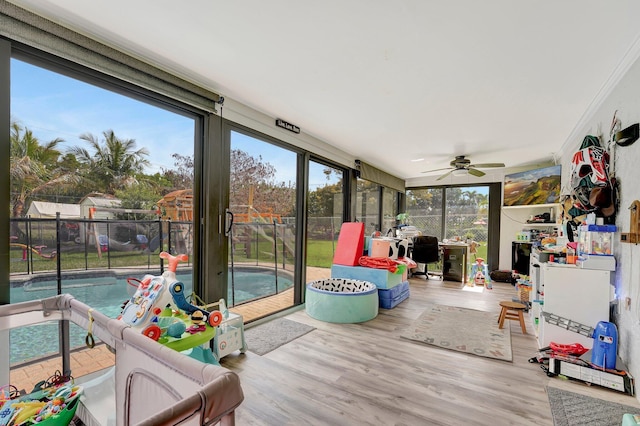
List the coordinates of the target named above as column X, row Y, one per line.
column 359, row 374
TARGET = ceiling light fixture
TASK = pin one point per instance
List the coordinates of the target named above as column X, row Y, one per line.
column 460, row 172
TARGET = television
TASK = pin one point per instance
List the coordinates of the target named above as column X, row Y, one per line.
column 537, row 186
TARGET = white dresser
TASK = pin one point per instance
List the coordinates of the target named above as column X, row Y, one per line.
column 580, row 295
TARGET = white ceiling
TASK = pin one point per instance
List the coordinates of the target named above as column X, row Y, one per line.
column 386, row 81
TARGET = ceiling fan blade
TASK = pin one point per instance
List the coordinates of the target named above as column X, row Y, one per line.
column 475, row 172
column 487, row 165
column 436, row 170
column 445, row 175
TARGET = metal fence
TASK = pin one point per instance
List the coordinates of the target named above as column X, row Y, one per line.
column 465, row 226
column 59, row 249
column 44, row 245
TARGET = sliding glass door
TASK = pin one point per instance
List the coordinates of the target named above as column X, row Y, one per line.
column 467, row 217
column 458, row 213
column 368, row 206
column 262, row 238
column 325, row 210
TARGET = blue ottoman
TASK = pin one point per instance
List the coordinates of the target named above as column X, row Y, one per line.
column 390, row 298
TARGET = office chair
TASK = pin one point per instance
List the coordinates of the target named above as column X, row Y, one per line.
column 426, row 250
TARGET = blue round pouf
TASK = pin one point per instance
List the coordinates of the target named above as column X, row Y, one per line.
column 342, row 300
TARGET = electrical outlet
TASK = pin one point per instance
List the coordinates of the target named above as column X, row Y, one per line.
column 627, row 303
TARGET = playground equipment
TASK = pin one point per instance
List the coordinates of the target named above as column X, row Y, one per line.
column 177, row 205
column 99, row 232
column 160, row 310
column 34, row 249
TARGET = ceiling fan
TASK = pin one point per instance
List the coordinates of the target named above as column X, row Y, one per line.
column 463, row 165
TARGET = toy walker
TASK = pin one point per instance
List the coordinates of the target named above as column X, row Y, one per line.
column 159, row 309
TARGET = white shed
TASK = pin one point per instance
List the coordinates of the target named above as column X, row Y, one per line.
column 99, row 203
column 45, row 209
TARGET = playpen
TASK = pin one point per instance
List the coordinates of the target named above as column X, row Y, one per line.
column 150, row 383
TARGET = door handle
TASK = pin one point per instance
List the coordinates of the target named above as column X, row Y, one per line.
column 228, row 222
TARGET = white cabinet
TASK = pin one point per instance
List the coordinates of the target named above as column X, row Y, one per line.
column 569, row 292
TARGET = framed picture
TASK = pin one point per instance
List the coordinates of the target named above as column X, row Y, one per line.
column 537, row 186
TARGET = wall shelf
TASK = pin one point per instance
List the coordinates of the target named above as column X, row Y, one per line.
column 513, row 220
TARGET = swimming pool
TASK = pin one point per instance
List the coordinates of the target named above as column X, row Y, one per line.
column 107, row 294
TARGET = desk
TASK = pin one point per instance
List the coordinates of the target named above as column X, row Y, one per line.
column 454, row 261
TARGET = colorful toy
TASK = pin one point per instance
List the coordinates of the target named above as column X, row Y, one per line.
column 480, row 274
column 55, row 405
column 159, row 309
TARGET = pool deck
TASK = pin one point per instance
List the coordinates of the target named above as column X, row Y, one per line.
column 85, row 361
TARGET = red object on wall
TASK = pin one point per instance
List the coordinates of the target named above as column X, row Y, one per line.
column 350, row 245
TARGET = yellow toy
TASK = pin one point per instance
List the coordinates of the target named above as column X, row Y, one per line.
column 26, row 410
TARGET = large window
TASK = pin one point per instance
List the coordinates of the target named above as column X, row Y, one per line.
column 461, row 213
column 424, row 208
column 368, row 206
column 389, row 208
column 325, row 209
column 99, row 182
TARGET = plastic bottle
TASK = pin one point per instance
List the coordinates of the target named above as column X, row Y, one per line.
column 571, row 255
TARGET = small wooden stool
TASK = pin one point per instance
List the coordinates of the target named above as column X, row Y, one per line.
column 512, row 311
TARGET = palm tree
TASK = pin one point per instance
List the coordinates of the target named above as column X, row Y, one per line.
column 34, row 167
column 114, row 162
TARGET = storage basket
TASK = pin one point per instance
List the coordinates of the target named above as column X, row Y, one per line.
column 524, row 288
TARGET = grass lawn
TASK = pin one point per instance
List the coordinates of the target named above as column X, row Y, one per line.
column 319, row 254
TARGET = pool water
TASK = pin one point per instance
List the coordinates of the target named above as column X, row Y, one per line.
column 107, row 295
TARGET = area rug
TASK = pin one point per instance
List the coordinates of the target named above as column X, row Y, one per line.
column 463, row 330
column 266, row 337
column 573, row 409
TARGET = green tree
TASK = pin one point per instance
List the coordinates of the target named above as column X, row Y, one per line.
column 182, row 176
column 113, row 162
column 321, row 200
column 139, row 197
column 34, row 167
column 252, row 185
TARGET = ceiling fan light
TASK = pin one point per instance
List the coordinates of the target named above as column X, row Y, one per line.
column 459, row 172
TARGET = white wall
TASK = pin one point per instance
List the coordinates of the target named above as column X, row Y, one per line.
column 624, row 98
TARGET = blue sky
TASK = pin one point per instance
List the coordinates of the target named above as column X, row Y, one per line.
column 53, row 106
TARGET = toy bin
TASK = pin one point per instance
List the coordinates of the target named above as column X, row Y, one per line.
column 341, row 300
column 229, row 337
column 596, row 240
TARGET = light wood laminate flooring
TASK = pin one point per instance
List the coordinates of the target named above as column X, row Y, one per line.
column 365, row 374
